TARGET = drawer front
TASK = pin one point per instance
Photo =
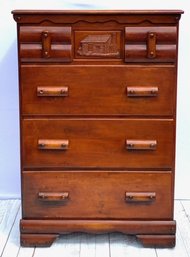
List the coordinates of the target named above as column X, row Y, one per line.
column 119, row 195
column 98, row 143
column 45, row 44
column 98, row 90
column 150, row 44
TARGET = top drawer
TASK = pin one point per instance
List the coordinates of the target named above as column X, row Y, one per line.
column 65, row 43
column 150, row 44
column 45, row 43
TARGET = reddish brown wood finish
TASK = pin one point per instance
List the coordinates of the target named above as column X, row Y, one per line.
column 142, row 91
column 52, row 91
column 154, row 233
column 53, row 196
column 150, row 44
column 140, row 197
column 157, row 240
column 45, row 44
column 37, row 239
column 98, row 90
column 97, row 143
column 139, row 145
column 53, row 144
column 104, row 201
column 131, row 227
column 101, row 86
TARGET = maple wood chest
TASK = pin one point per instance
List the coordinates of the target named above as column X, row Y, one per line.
column 97, row 118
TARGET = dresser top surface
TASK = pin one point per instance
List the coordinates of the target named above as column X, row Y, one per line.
column 103, row 12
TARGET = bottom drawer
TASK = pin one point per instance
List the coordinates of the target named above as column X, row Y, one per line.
column 95, row 194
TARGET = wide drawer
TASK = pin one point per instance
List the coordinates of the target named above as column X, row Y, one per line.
column 94, row 143
column 119, row 195
column 97, row 90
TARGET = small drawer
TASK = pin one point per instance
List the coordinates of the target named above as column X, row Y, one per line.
column 97, row 90
column 97, row 143
column 45, row 44
column 93, row 194
column 151, row 44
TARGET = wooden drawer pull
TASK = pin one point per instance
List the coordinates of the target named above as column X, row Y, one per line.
column 53, row 197
column 142, row 91
column 46, row 44
column 52, row 91
column 53, row 144
column 141, row 145
column 151, row 45
column 139, row 197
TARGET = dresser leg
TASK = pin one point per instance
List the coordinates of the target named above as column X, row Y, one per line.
column 31, row 240
column 157, row 240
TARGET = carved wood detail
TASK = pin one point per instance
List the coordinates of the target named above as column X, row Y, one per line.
column 98, row 44
column 147, row 44
column 45, row 43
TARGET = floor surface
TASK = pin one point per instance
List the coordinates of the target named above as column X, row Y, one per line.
column 87, row 245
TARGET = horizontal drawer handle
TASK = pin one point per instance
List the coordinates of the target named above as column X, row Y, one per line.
column 52, row 91
column 140, row 197
column 142, row 91
column 141, row 145
column 53, row 144
column 53, row 197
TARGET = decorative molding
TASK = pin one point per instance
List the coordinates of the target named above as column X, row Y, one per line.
column 145, row 21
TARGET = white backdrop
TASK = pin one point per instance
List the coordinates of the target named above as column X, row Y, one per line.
column 9, row 122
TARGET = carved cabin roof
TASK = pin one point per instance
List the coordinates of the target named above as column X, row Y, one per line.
column 96, row 39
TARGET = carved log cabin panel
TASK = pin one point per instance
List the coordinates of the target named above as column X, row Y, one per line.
column 98, row 44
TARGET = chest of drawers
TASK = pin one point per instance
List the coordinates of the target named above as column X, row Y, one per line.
column 97, row 118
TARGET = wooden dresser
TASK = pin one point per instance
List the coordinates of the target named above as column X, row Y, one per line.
column 97, row 119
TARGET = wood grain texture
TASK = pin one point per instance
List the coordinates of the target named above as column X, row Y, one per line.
column 98, row 16
column 97, row 143
column 7, row 222
column 45, row 44
column 150, row 44
column 12, row 243
column 98, row 90
column 182, row 214
column 117, row 71
column 155, row 227
column 98, row 44
column 106, row 200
